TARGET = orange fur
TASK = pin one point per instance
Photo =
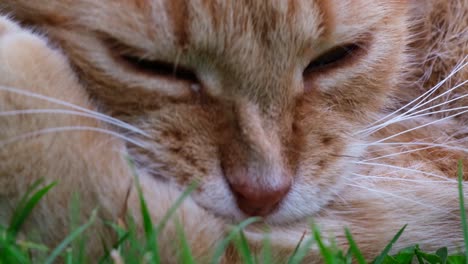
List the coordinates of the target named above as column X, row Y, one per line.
column 239, row 110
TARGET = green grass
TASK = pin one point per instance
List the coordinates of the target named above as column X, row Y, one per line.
column 133, row 248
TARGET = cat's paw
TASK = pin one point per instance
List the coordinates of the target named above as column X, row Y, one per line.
column 27, row 60
column 29, row 63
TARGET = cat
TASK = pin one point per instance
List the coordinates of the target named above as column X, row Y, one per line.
column 288, row 110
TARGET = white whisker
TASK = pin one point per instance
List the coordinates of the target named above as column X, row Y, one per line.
column 400, row 144
column 440, row 95
column 338, row 195
column 435, row 112
column 69, row 129
column 373, row 126
column 405, row 117
column 58, row 112
column 440, row 104
column 79, row 108
column 399, row 197
column 420, row 126
column 384, row 178
column 405, row 170
column 413, row 116
column 397, row 154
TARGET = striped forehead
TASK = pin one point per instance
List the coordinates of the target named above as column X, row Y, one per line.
column 198, row 22
column 209, row 24
column 266, row 20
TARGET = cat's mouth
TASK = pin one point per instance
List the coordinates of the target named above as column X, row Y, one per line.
column 286, row 212
column 229, row 211
column 304, row 197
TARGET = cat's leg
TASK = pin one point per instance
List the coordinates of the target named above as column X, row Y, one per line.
column 41, row 136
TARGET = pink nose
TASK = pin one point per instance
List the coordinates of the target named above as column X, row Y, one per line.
column 259, row 201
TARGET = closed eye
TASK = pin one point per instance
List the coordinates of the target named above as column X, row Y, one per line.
column 134, row 59
column 335, row 57
column 159, row 68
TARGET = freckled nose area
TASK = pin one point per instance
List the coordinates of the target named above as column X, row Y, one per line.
column 258, row 201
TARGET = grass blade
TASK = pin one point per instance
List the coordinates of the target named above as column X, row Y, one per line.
column 30, row 190
column 406, row 255
column 380, row 259
column 462, row 206
column 186, row 256
column 70, row 238
column 348, row 259
column 243, row 248
column 266, row 250
column 419, row 257
column 148, row 227
column 456, row 259
column 225, row 242
column 26, row 206
column 119, row 242
column 69, row 257
column 301, row 250
column 12, row 254
column 27, row 245
column 442, row 253
column 122, row 236
column 354, row 248
column 134, row 247
column 326, row 253
column 175, row 206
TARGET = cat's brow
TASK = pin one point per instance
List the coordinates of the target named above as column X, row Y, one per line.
column 178, row 14
column 327, row 22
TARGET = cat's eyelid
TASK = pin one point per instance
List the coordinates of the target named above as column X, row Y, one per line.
column 140, row 62
column 339, row 55
column 363, row 39
column 118, row 46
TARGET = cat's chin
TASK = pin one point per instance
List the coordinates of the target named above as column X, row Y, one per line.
column 276, row 219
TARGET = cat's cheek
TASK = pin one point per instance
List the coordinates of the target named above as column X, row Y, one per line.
column 183, row 148
column 317, row 183
column 216, row 197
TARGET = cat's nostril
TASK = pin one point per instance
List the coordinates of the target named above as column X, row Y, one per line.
column 259, row 201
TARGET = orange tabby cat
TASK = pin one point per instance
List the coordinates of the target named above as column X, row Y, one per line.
column 289, row 110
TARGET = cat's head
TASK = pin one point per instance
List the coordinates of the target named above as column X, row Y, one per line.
column 259, row 101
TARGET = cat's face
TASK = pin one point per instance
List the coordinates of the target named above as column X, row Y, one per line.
column 260, row 101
